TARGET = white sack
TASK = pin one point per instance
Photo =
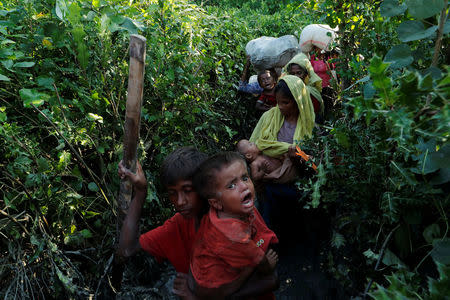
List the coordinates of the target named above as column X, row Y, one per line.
column 319, row 35
column 253, row 78
column 269, row 52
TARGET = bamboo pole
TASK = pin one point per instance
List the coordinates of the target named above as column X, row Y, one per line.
column 132, row 118
column 130, row 141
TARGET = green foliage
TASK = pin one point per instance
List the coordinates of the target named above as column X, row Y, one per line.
column 63, row 73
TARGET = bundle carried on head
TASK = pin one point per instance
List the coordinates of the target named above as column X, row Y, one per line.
column 319, row 35
column 269, row 52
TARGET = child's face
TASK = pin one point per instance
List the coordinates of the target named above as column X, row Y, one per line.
column 266, row 81
column 235, row 191
column 249, row 150
column 185, row 199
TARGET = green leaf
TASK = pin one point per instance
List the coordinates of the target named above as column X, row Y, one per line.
column 24, row 64
column 7, row 64
column 390, row 259
column 46, row 82
column 377, row 66
column 414, row 30
column 405, row 174
column 64, row 159
column 426, row 83
column 86, row 233
column 390, row 8
column 42, row 164
column 441, row 251
column 61, row 9
column 3, row 117
column 94, row 117
column 440, row 288
column 399, row 56
column 369, row 91
column 446, row 27
column 4, row 78
column 92, row 187
column 432, row 232
column 337, row 240
column 32, row 97
column 422, row 9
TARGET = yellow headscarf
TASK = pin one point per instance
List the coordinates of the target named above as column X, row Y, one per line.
column 266, row 131
column 313, row 81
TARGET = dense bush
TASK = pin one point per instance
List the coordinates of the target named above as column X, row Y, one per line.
column 63, row 72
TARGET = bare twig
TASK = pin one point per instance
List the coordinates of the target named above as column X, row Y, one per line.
column 14, row 220
column 60, row 104
column 108, row 265
column 380, row 258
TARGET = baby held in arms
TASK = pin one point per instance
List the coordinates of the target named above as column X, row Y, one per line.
column 260, row 165
column 266, row 168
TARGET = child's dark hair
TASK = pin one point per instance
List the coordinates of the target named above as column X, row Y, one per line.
column 283, row 88
column 204, row 180
column 272, row 72
column 181, row 164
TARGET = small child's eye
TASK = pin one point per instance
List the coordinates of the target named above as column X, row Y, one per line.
column 245, row 178
column 231, row 185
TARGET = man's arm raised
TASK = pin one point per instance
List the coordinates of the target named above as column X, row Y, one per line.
column 129, row 233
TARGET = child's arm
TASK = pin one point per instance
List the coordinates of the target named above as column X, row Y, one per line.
column 256, row 170
column 129, row 233
column 261, row 106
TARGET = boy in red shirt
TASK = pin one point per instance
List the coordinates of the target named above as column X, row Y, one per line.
column 233, row 241
column 172, row 241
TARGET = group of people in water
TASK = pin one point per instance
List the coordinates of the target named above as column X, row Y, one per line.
column 218, row 242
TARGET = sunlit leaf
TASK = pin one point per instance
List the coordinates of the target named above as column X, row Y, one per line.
column 33, row 96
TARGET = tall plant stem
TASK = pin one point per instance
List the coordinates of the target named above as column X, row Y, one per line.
column 438, row 44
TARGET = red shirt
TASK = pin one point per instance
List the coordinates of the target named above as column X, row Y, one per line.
column 172, row 241
column 321, row 69
column 225, row 246
column 268, row 99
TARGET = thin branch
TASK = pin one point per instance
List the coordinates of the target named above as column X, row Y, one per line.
column 14, row 220
column 438, row 44
column 91, row 173
column 60, row 105
column 383, row 248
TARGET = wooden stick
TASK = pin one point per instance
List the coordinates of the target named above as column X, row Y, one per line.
column 132, row 118
column 130, row 142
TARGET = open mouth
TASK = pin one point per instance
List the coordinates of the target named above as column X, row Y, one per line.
column 248, row 200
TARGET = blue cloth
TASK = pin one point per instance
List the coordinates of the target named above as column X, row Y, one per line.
column 250, row 88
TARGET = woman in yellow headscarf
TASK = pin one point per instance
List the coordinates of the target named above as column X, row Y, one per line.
column 280, row 128
column 301, row 67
